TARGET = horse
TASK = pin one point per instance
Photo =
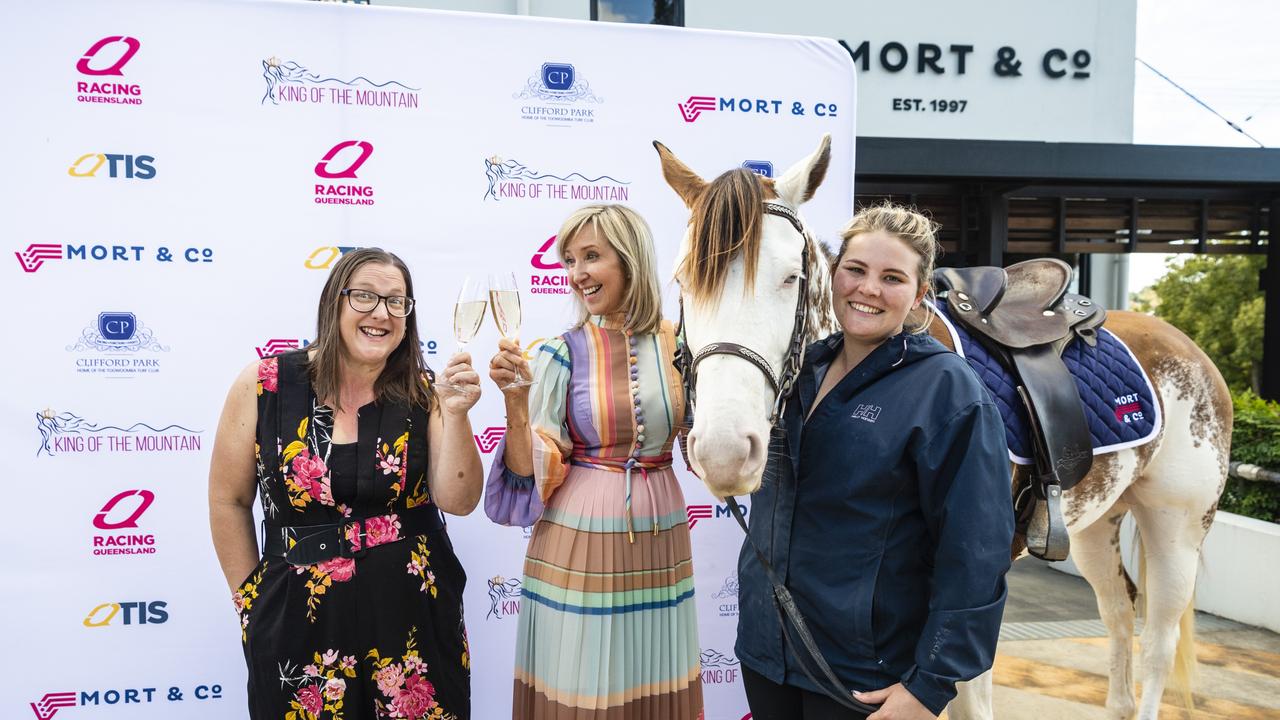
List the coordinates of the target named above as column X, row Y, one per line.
column 762, row 280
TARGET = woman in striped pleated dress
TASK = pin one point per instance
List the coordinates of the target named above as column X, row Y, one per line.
column 608, row 627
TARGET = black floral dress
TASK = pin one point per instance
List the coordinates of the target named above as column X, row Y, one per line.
column 375, row 636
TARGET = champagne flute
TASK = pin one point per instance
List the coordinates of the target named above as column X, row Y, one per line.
column 468, row 313
column 504, row 297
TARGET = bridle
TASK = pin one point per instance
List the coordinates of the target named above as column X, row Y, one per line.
column 687, row 360
column 687, row 363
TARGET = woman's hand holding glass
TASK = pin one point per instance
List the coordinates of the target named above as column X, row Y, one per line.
column 459, row 386
column 509, row 369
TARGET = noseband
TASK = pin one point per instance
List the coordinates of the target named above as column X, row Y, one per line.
column 687, row 361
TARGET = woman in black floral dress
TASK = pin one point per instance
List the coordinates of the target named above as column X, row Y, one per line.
column 354, row 609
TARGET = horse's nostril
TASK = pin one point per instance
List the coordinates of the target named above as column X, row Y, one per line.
column 755, row 452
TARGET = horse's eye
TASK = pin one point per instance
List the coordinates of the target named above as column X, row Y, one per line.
column 791, row 279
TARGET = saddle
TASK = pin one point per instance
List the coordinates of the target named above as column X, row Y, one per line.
column 1024, row 316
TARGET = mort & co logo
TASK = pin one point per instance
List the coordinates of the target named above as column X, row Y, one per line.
column 34, row 257
column 130, row 167
column 504, row 597
column 291, row 83
column 104, row 60
column 694, row 513
column 50, row 703
column 141, row 612
column 763, row 168
column 488, row 440
column 275, row 346
column 697, row 105
column 122, row 513
column 511, row 179
column 558, row 95
column 66, row 432
column 118, row 345
column 342, row 162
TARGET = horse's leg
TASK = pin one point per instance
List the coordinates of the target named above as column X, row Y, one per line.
column 973, row 699
column 1096, row 552
column 1171, row 539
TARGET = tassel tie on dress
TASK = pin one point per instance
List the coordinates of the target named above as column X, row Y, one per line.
column 644, row 464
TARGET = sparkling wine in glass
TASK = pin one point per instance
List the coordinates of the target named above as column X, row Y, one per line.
column 468, row 313
column 504, row 297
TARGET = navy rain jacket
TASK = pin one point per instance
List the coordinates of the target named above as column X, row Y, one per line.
column 891, row 524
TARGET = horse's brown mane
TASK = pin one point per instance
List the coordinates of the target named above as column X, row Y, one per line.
column 727, row 219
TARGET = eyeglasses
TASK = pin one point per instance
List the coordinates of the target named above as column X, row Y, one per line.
column 366, row 301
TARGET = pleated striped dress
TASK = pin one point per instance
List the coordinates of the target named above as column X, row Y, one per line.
column 608, row 627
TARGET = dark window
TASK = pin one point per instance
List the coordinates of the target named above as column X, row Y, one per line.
column 649, row 12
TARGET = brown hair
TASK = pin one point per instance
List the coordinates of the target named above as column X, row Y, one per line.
column 728, row 218
column 911, row 227
column 402, row 379
column 629, row 236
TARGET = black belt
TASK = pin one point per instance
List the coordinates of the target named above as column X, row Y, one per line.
column 311, row 544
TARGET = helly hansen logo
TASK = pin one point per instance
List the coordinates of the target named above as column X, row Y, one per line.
column 870, row 413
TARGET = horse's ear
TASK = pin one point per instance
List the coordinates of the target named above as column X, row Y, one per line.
column 684, row 181
column 798, row 184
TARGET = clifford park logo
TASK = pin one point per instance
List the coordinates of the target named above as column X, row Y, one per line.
column 291, row 83
column 102, row 77
column 557, row 94
column 510, row 179
column 342, row 162
column 117, row 345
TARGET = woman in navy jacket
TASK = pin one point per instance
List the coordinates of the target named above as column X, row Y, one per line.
column 886, row 508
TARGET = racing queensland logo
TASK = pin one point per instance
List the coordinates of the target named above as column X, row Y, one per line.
column 117, row 345
column 509, row 179
column 122, row 530
column 542, row 282
column 102, row 77
column 558, row 94
column 698, row 105
column 504, row 598
column 69, row 433
column 292, row 83
column 342, row 162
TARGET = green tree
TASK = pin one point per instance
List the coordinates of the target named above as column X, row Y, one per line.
column 1215, row 300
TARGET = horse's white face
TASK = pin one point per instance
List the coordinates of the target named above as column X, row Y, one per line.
column 728, row 444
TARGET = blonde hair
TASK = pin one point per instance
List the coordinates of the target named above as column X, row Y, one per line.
column 629, row 236
column 915, row 230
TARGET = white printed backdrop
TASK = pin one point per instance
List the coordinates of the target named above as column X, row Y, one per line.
column 179, row 180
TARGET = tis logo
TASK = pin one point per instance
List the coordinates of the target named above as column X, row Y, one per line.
column 504, row 597
column 135, row 167
column 34, row 256
column 275, row 346
column 693, row 108
column 488, row 440
column 322, row 257
column 558, row 77
column 763, row 168
column 102, row 520
column 326, row 168
column 542, row 260
column 130, row 48
column 135, row 613
column 49, row 705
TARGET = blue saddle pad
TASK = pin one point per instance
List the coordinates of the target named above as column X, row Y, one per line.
column 1118, row 400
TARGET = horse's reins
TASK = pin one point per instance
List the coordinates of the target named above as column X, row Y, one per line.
column 687, row 364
